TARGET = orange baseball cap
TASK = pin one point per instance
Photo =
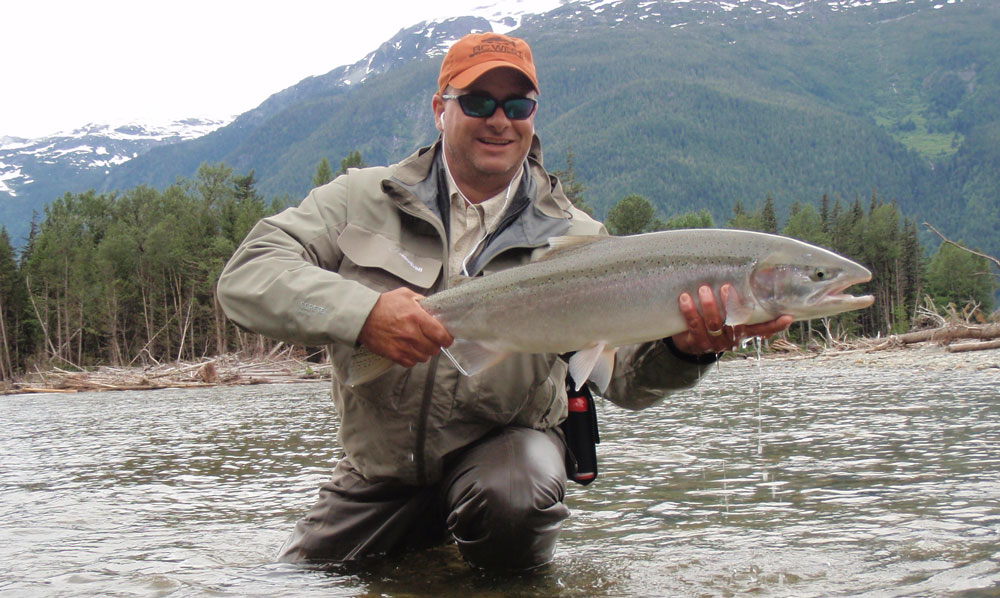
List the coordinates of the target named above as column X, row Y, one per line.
column 477, row 53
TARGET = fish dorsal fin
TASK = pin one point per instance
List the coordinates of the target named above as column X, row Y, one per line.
column 558, row 245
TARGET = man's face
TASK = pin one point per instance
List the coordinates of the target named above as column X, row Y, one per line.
column 485, row 153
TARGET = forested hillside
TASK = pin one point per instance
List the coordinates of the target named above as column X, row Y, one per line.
column 901, row 102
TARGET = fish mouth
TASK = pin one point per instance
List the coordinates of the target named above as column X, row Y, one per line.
column 837, row 294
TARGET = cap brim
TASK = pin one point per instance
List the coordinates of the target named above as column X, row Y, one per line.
column 469, row 75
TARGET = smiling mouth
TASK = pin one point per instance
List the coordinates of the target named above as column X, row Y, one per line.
column 496, row 142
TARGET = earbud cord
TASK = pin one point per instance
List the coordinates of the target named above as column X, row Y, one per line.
column 486, row 232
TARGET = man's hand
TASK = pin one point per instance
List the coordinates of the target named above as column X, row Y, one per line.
column 706, row 332
column 399, row 329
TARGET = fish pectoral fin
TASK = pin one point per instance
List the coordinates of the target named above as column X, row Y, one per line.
column 738, row 311
column 471, row 357
column 595, row 364
column 366, row 366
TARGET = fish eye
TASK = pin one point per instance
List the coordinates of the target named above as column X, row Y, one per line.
column 819, row 275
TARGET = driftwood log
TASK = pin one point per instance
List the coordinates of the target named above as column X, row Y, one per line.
column 951, row 332
column 223, row 370
column 982, row 346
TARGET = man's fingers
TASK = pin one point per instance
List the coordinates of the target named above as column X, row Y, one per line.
column 434, row 331
column 710, row 311
column 707, row 331
column 400, row 329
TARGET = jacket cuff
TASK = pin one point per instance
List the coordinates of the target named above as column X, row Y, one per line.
column 704, row 359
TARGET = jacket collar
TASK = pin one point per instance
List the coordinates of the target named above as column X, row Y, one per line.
column 418, row 168
column 536, row 212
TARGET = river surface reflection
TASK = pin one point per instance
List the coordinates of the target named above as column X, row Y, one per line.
column 778, row 478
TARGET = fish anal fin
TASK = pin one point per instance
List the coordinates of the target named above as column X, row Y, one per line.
column 595, row 363
column 471, row 357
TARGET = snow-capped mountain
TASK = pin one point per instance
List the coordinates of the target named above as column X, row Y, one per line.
column 93, row 148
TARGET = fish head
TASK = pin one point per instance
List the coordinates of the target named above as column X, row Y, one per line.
column 808, row 282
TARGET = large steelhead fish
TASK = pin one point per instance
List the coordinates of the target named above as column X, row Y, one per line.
column 590, row 295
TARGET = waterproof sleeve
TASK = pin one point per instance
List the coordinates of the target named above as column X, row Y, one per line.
column 282, row 281
column 646, row 373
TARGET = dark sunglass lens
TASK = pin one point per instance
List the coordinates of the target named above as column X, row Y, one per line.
column 519, row 108
column 477, row 106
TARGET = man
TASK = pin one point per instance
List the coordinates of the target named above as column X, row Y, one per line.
column 430, row 454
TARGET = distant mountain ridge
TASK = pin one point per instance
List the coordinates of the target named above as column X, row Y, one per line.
column 93, row 147
column 692, row 103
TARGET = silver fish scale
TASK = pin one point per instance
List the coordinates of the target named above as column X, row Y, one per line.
column 613, row 290
column 616, row 291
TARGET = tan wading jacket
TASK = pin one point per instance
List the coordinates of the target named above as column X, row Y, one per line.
column 311, row 274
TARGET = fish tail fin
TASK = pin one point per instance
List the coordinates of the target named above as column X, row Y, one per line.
column 366, row 366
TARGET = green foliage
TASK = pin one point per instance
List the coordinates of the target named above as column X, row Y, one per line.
column 806, row 224
column 700, row 219
column 115, row 278
column 744, row 220
column 13, row 299
column 959, row 277
column 324, row 173
column 768, row 217
column 353, row 160
column 571, row 186
column 632, row 215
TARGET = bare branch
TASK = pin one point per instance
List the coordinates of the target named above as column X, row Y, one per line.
column 962, row 247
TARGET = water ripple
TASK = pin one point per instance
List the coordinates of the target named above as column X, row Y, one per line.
column 793, row 479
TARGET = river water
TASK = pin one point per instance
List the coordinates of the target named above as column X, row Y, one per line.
column 774, row 478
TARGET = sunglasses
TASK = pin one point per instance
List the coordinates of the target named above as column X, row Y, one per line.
column 484, row 106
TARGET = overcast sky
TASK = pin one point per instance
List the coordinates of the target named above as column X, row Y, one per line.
column 67, row 63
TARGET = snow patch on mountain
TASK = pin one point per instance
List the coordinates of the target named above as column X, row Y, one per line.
column 95, row 147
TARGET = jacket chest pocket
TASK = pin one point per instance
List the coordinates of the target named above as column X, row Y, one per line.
column 383, row 263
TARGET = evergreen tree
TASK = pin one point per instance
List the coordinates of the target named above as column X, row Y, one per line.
column 824, row 212
column 571, row 186
column 909, row 291
column 744, row 220
column 11, row 302
column 353, row 160
column 769, row 218
column 324, row 173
